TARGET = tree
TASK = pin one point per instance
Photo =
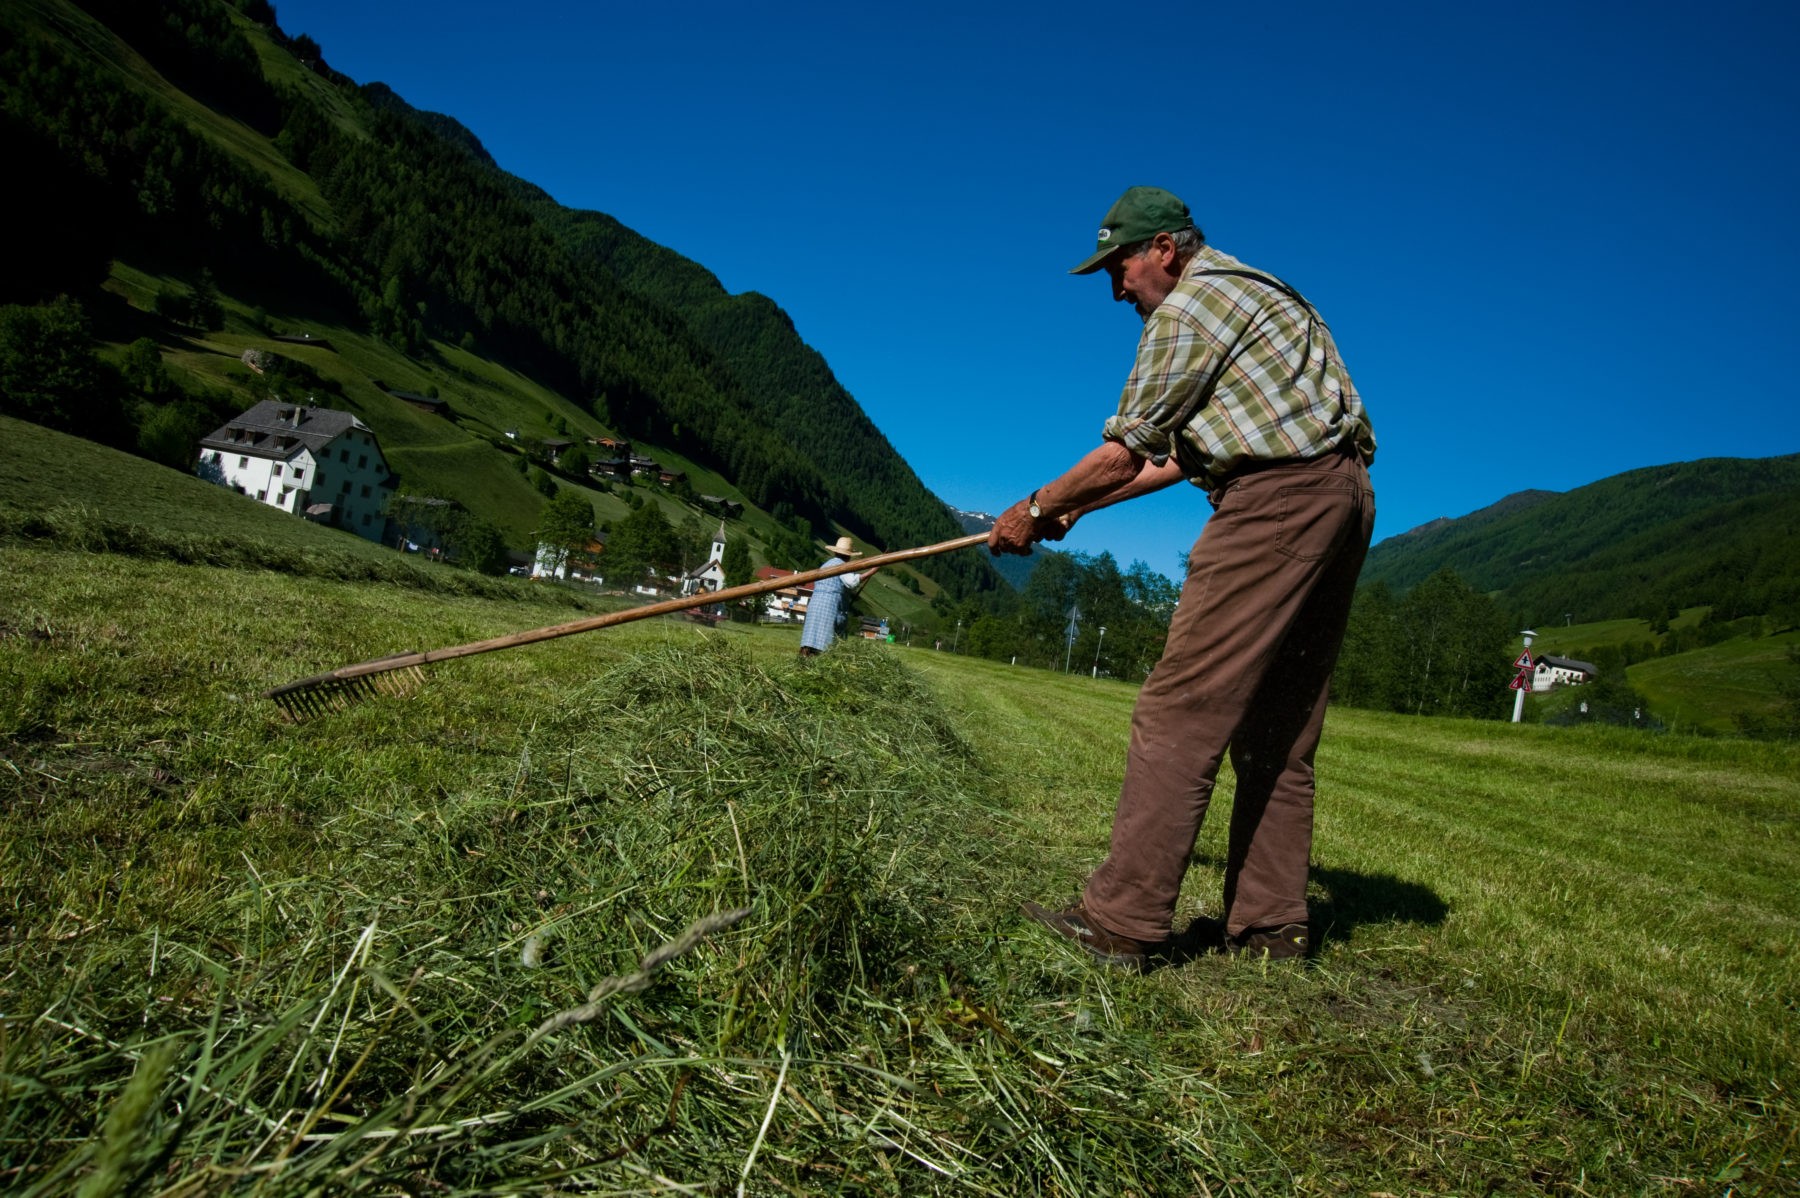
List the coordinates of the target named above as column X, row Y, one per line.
column 641, row 542
column 144, row 371
column 565, row 526
column 50, row 374
column 170, row 434
column 1371, row 663
column 575, row 461
column 736, row 562
column 480, row 547
column 1455, row 650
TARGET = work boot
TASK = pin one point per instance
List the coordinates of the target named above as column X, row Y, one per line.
column 1273, row 944
column 1074, row 924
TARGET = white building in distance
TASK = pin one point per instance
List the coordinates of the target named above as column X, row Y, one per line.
column 318, row 463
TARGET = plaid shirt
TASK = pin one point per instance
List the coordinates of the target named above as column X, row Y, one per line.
column 1233, row 370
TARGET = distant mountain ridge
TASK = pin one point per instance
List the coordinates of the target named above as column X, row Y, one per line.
column 1518, row 500
column 1014, row 568
column 1718, row 532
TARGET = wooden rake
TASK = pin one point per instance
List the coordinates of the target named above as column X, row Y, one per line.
column 400, row 673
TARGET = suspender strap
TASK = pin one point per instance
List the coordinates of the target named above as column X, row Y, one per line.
column 1271, row 281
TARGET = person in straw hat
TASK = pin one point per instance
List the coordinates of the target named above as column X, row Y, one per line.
column 825, row 609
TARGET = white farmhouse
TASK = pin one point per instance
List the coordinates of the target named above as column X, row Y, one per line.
column 1551, row 672
column 318, row 463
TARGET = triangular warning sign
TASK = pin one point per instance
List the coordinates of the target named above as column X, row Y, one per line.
column 1519, row 683
column 1524, row 662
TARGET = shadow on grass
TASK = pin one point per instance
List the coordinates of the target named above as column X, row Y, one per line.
column 1349, row 901
column 1352, row 899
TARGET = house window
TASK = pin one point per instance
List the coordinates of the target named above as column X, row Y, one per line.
column 365, row 519
column 343, row 455
column 365, row 490
column 346, row 487
column 243, row 462
column 299, row 473
column 262, row 496
column 362, row 462
column 276, row 470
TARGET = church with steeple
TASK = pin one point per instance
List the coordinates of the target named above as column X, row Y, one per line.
column 711, row 576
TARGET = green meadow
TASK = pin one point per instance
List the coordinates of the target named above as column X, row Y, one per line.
column 658, row 909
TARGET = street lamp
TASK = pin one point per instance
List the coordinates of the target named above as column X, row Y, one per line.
column 957, row 639
column 1097, row 645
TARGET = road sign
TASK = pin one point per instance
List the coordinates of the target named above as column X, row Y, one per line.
column 1524, row 662
column 1520, row 682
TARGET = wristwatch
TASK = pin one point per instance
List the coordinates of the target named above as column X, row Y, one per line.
column 1034, row 509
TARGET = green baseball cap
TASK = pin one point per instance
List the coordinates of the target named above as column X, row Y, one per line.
column 1138, row 215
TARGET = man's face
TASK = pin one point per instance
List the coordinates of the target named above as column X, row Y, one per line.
column 1145, row 279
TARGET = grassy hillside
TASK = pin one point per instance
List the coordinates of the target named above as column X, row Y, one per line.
column 1719, row 687
column 1712, row 688
column 72, row 491
column 417, row 945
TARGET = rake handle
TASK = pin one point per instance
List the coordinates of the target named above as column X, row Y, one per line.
column 400, row 661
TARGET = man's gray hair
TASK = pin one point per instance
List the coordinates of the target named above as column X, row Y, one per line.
column 1187, row 243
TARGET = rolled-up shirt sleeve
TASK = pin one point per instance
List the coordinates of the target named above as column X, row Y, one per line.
column 1168, row 383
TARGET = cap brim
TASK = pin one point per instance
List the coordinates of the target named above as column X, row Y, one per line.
column 1096, row 260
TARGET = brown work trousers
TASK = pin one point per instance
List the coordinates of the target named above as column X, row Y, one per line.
column 1246, row 668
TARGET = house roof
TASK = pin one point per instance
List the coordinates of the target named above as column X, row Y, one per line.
column 1568, row 663
column 768, row 573
column 273, row 429
column 422, row 401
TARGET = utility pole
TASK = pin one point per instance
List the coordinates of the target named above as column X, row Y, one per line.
column 1097, row 645
column 1074, row 623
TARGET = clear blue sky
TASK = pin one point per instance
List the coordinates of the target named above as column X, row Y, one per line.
column 1555, row 241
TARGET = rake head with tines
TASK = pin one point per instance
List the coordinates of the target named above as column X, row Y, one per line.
column 338, row 689
column 400, row 674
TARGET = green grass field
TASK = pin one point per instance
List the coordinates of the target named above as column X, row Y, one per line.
column 414, row 945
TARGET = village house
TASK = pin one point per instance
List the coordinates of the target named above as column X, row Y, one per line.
column 787, row 603
column 318, row 463
column 572, row 565
column 1550, row 672
column 425, row 403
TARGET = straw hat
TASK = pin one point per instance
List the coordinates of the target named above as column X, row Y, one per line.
column 844, row 548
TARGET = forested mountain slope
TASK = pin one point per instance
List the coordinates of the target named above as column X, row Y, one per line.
column 195, row 141
column 788, row 384
column 1722, row 533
